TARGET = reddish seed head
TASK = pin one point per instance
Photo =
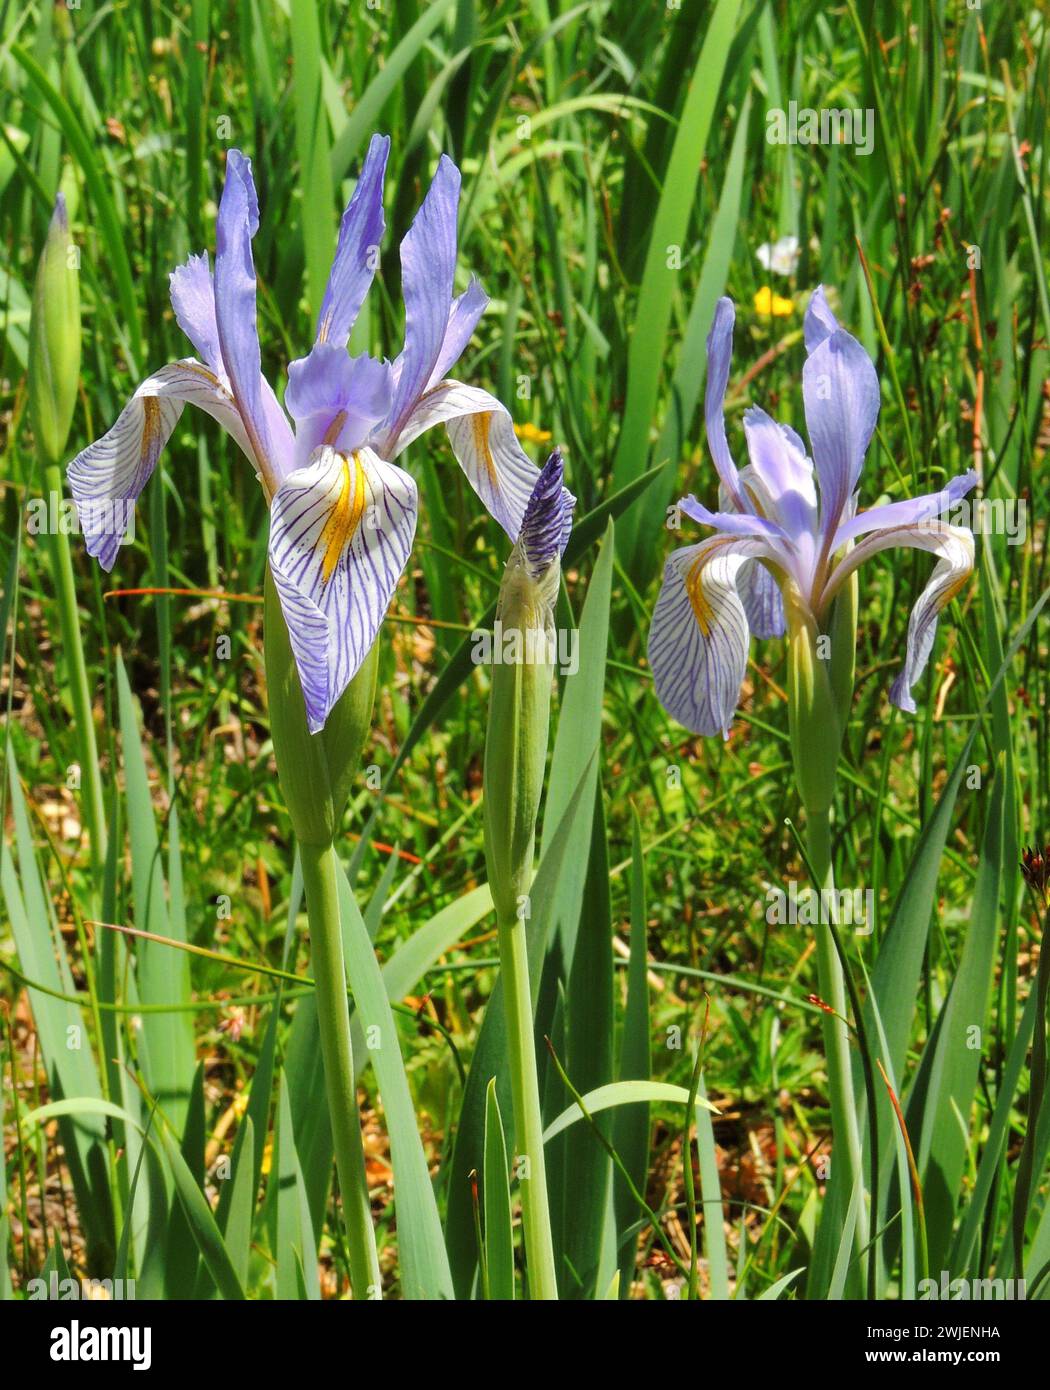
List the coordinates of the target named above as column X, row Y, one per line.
column 1035, row 866
column 816, row 999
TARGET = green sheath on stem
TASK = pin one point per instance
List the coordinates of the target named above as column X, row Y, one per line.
column 819, row 695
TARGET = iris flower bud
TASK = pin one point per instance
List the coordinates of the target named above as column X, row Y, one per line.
column 515, row 752
column 519, row 702
column 54, row 339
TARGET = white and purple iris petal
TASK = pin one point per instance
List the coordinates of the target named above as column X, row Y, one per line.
column 342, row 515
column 698, row 641
column 341, row 532
column 788, row 525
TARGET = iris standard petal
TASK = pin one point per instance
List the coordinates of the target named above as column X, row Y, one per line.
column 357, row 251
column 193, row 299
column 779, row 458
column 763, row 602
column 748, row 524
column 906, row 512
column 841, row 394
column 819, row 322
column 264, row 422
column 953, row 547
column 719, row 357
column 779, row 482
column 428, row 264
column 341, row 533
column 467, row 308
column 107, row 477
column 698, row 640
column 482, row 436
column 336, row 399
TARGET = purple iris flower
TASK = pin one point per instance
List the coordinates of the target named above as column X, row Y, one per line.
column 342, row 514
column 788, row 534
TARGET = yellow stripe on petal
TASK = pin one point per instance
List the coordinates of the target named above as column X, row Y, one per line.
column 480, row 425
column 150, row 423
column 954, row 589
column 694, row 587
column 345, row 516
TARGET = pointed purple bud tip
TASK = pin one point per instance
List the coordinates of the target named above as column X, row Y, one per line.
column 60, row 215
column 547, row 522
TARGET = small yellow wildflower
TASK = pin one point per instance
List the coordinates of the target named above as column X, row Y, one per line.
column 531, row 434
column 771, row 305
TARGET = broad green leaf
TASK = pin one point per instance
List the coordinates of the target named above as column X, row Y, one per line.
column 623, row 1093
column 949, row 1078
column 237, row 1232
column 631, row 1125
column 201, row 1221
column 61, row 1027
column 579, row 730
column 421, row 1247
column 295, row 1252
column 182, row 1257
column 588, row 1060
column 162, row 975
column 774, row 1291
column 711, row 1199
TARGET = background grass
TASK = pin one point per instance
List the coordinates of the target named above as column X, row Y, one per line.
column 617, row 180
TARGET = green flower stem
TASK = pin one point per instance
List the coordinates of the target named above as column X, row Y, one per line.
column 528, row 1119
column 92, row 807
column 844, row 1124
column 320, row 868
